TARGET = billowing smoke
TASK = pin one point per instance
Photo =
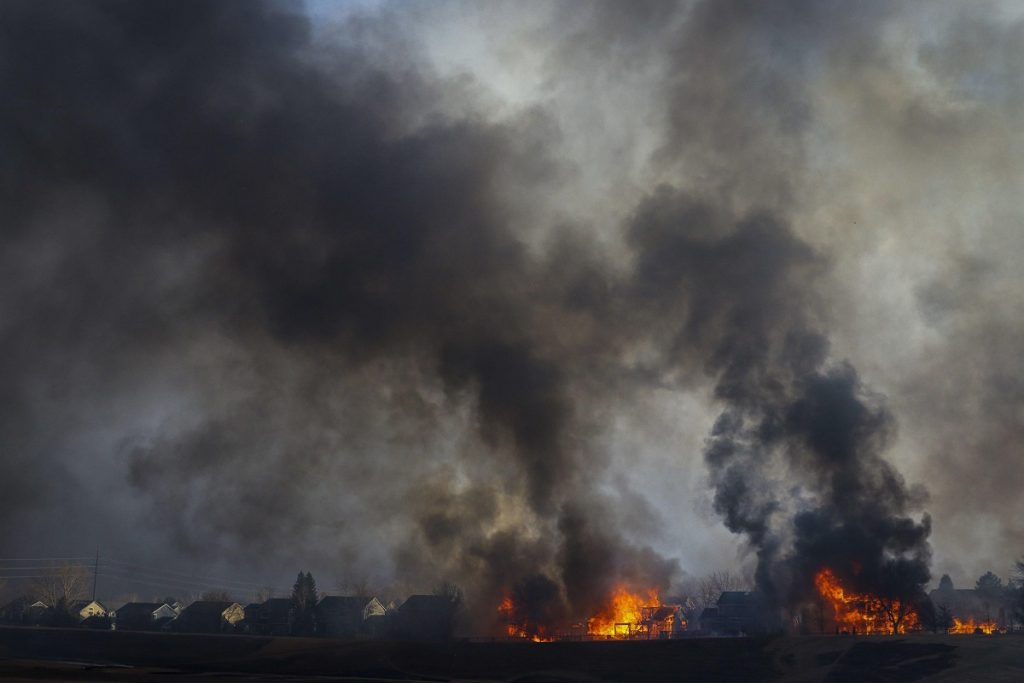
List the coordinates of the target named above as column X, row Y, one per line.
column 796, row 455
column 287, row 218
column 285, row 287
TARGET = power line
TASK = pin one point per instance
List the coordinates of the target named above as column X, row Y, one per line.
column 42, row 568
column 42, row 559
column 30, row 576
column 30, row 568
column 152, row 569
column 133, row 566
column 199, row 588
column 191, row 581
column 164, row 583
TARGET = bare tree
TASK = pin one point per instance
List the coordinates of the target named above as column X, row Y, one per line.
column 354, row 585
column 216, row 596
column 900, row 592
column 61, row 583
column 708, row 588
column 895, row 610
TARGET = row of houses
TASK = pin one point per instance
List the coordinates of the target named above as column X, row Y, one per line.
column 420, row 617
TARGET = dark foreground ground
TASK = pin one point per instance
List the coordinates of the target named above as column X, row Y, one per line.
column 35, row 654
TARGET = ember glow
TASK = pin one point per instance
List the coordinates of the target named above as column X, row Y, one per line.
column 862, row 612
column 625, row 615
column 521, row 629
column 970, row 626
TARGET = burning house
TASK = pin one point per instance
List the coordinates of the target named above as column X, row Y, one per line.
column 970, row 610
column 625, row 615
column 844, row 610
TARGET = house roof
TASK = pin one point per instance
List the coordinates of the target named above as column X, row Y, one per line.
column 424, row 603
column 207, row 607
column 271, row 602
column 82, row 604
column 131, row 609
column 737, row 597
column 276, row 608
column 664, row 612
column 17, row 604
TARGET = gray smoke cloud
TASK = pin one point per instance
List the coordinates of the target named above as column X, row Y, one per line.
column 412, row 292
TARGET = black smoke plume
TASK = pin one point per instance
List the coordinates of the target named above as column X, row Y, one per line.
column 292, row 267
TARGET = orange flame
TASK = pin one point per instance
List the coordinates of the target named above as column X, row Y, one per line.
column 863, row 612
column 970, row 626
column 622, row 614
column 513, row 630
column 625, row 615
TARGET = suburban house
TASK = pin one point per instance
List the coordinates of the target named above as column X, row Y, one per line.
column 665, row 621
column 970, row 604
column 339, row 616
column 708, row 620
column 740, row 612
column 210, row 616
column 424, row 617
column 39, row 613
column 98, row 623
column 141, row 616
column 83, row 609
column 272, row 618
column 16, row 611
column 382, row 625
column 251, row 614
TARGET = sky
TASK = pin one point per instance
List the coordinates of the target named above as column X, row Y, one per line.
column 403, row 292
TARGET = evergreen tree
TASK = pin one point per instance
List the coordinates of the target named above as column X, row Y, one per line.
column 303, row 603
column 990, row 588
column 989, row 584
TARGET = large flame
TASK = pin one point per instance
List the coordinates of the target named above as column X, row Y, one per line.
column 863, row 612
column 970, row 626
column 623, row 613
column 513, row 629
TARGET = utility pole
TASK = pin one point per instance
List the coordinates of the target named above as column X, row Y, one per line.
column 95, row 573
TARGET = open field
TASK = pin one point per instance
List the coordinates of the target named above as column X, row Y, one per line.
column 74, row 655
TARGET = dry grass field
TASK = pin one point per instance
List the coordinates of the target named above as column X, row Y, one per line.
column 73, row 655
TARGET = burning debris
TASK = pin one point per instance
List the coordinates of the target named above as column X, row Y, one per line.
column 865, row 613
column 971, row 627
column 625, row 615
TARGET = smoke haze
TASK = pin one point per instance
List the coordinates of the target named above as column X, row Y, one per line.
column 524, row 296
